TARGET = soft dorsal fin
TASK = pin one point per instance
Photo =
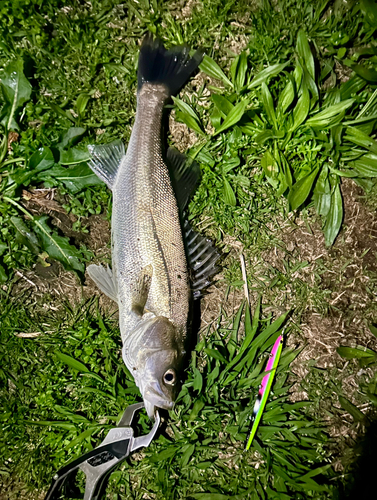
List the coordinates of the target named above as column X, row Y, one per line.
column 184, row 174
column 105, row 280
column 202, row 257
column 106, row 159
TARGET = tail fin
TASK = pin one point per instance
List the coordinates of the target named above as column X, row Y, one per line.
column 171, row 67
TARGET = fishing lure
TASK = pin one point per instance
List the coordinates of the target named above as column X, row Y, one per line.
column 265, row 388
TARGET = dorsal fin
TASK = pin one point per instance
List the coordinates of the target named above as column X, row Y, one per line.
column 106, row 159
column 184, row 174
column 202, row 257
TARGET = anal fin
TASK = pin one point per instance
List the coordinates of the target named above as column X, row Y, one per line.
column 141, row 290
column 105, row 280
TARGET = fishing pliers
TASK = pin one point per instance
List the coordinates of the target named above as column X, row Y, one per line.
column 98, row 464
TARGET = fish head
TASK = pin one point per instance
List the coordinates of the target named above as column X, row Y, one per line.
column 158, row 361
column 161, row 385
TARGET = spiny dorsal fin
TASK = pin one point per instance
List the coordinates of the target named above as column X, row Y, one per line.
column 105, row 280
column 202, row 257
column 185, row 176
column 106, row 159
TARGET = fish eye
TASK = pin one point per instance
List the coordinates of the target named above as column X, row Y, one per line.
column 169, row 377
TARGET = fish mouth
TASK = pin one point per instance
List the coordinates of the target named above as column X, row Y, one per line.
column 154, row 398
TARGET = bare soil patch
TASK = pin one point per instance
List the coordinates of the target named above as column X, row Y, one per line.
column 49, row 278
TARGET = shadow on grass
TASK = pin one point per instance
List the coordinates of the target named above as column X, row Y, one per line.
column 362, row 473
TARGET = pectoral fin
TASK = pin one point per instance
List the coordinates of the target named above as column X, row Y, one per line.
column 141, row 290
column 105, row 280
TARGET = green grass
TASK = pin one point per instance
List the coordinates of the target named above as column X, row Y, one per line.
column 63, row 390
column 306, row 135
column 277, row 130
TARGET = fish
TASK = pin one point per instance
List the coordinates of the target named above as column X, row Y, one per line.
column 159, row 263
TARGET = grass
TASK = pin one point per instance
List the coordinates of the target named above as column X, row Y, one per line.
column 66, row 388
column 283, row 114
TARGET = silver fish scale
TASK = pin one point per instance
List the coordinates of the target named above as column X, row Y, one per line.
column 147, row 231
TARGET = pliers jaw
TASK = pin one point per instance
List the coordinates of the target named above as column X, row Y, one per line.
column 98, row 464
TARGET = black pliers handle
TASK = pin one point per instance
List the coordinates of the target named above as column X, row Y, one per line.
column 100, row 462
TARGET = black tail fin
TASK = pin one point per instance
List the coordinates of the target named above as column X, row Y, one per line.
column 171, row 67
